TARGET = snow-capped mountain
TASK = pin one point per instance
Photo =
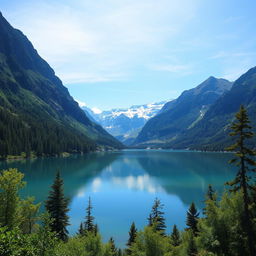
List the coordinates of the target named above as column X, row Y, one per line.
column 125, row 124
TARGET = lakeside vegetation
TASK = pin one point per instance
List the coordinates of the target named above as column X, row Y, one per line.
column 227, row 225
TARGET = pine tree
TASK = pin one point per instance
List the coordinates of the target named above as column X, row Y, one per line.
column 113, row 246
column 119, row 253
column 156, row 217
column 132, row 237
column 244, row 161
column 210, row 193
column 150, row 220
column 191, row 249
column 96, row 229
column 88, row 224
column 192, row 219
column 57, row 207
column 81, row 229
column 175, row 236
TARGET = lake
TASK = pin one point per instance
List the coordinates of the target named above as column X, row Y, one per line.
column 123, row 185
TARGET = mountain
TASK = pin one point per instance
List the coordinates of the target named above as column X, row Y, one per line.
column 125, row 124
column 37, row 112
column 211, row 133
column 182, row 114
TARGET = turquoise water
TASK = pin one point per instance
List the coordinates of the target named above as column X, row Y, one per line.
column 123, row 185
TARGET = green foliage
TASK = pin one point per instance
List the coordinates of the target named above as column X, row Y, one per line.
column 175, row 236
column 74, row 246
column 88, row 224
column 191, row 246
column 150, row 243
column 44, row 240
column 221, row 231
column 243, row 154
column 81, row 230
column 179, row 116
column 245, row 162
column 57, row 206
column 21, row 135
column 14, row 243
column 10, row 184
column 37, row 113
column 89, row 245
column 132, row 237
column 113, row 248
column 156, row 217
column 192, row 219
column 211, row 195
column 29, row 212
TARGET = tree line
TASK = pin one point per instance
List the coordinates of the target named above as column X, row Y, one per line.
column 226, row 226
column 20, row 135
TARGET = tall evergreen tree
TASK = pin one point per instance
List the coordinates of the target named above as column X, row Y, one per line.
column 119, row 253
column 192, row 219
column 81, row 229
column 191, row 249
column 244, row 160
column 210, row 193
column 156, row 217
column 57, row 206
column 88, row 224
column 113, row 247
column 132, row 237
column 150, row 220
column 175, row 236
column 96, row 229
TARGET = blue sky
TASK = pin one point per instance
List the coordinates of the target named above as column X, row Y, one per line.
column 118, row 53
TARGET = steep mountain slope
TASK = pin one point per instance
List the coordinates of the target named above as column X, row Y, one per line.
column 183, row 113
column 125, row 124
column 37, row 113
column 211, row 133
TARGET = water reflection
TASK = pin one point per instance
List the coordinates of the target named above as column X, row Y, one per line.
column 77, row 171
column 123, row 185
column 188, row 174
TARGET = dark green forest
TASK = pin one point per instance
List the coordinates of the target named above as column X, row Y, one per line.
column 226, row 227
column 39, row 139
column 38, row 116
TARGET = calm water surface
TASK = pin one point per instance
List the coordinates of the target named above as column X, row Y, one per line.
column 123, row 185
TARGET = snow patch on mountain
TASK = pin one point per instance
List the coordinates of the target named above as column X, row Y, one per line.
column 124, row 124
column 139, row 111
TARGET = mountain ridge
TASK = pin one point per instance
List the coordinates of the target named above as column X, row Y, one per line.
column 34, row 98
column 125, row 123
column 211, row 133
column 182, row 113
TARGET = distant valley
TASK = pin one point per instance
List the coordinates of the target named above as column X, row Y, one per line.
column 125, row 124
column 198, row 119
column 39, row 117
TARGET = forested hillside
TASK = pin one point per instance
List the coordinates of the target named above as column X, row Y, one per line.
column 183, row 113
column 37, row 112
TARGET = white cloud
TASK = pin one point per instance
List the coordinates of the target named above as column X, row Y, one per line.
column 141, row 182
column 101, row 41
column 96, row 110
column 96, row 184
column 81, row 103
